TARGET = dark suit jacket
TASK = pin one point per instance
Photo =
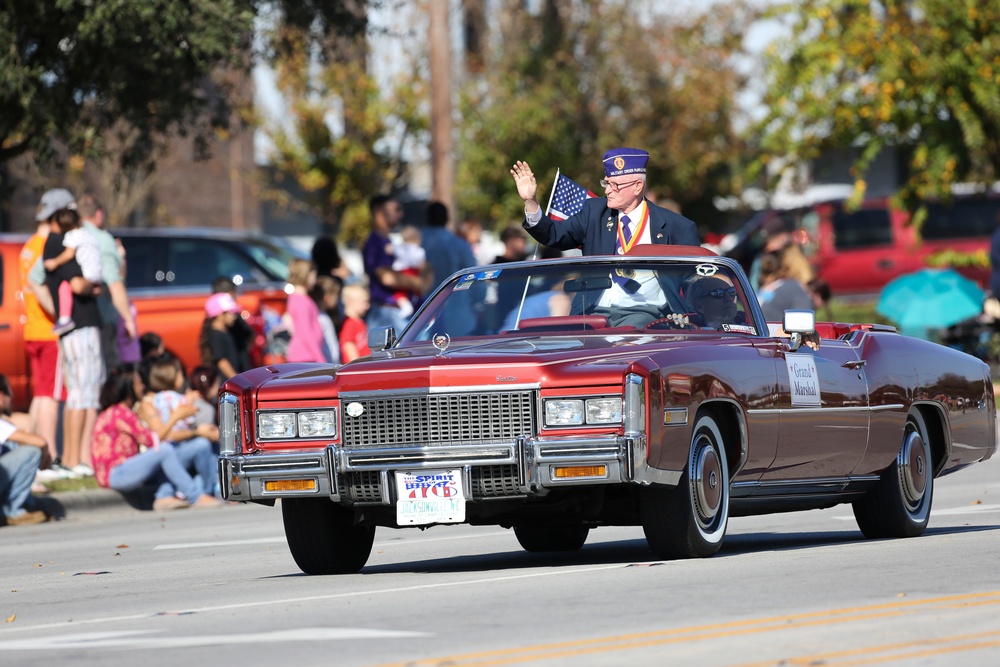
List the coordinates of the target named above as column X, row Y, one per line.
column 589, row 228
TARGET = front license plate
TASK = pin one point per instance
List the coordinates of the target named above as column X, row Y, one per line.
column 429, row 496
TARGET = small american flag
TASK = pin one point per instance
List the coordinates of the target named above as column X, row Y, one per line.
column 567, row 198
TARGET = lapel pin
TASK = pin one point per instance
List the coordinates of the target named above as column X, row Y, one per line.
column 659, row 236
column 611, row 223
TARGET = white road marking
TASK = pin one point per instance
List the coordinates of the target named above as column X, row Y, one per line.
column 228, row 543
column 968, row 509
column 954, row 511
column 367, row 593
column 131, row 640
column 281, row 540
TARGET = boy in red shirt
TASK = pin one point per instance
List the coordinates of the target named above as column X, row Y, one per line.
column 354, row 332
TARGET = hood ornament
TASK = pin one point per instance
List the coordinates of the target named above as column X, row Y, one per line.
column 441, row 341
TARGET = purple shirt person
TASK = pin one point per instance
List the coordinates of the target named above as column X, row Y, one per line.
column 383, row 281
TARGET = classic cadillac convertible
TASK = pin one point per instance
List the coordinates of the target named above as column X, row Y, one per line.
column 554, row 397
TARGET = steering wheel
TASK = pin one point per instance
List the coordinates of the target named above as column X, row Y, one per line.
column 672, row 322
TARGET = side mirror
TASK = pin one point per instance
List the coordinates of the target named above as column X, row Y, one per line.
column 381, row 338
column 798, row 324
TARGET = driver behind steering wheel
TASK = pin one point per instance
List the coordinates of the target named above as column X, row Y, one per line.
column 714, row 301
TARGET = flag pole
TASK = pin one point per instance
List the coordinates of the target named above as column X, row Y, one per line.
column 548, row 208
column 552, row 192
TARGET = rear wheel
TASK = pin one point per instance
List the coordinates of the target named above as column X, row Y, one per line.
column 551, row 538
column 689, row 520
column 899, row 505
column 323, row 538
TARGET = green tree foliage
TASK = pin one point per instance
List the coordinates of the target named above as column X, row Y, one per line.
column 921, row 76
column 561, row 88
column 343, row 138
column 71, row 70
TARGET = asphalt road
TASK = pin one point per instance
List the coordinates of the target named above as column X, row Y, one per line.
column 113, row 586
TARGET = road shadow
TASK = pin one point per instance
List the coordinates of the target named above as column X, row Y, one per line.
column 630, row 552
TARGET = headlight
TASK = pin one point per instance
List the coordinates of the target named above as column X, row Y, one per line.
column 290, row 425
column 317, row 424
column 604, row 411
column 583, row 412
column 563, row 412
column 276, row 425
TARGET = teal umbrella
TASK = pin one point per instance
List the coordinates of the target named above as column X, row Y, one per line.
column 929, row 299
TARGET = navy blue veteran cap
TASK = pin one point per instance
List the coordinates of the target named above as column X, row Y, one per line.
column 621, row 161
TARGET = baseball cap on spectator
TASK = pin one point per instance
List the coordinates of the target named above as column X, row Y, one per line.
column 52, row 201
column 221, row 303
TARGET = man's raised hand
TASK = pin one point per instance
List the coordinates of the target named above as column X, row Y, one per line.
column 525, row 181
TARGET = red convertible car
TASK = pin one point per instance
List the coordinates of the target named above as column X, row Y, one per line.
column 554, row 397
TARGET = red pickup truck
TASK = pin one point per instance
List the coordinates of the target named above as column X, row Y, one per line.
column 858, row 252
column 169, row 277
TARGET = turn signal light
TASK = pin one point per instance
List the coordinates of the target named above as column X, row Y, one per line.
column 290, row 485
column 568, row 472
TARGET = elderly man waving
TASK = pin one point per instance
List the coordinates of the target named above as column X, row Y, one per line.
column 607, row 225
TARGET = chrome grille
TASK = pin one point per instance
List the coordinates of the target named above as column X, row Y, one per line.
column 495, row 481
column 440, row 419
column 487, row 482
column 363, row 487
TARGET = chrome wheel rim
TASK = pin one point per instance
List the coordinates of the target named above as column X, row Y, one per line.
column 914, row 469
column 706, row 480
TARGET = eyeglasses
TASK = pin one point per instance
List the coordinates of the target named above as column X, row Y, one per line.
column 721, row 293
column 616, row 187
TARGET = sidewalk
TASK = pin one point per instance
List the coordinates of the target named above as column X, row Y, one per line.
column 62, row 504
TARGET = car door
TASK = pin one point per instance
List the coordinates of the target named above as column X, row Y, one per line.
column 823, row 417
column 13, row 360
column 145, row 262
column 196, row 262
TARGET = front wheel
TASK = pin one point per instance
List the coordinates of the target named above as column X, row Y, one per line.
column 323, row 538
column 551, row 538
column 689, row 520
column 899, row 505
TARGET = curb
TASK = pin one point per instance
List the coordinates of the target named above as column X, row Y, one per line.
column 59, row 504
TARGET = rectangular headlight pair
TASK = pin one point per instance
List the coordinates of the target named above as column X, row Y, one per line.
column 583, row 411
column 290, row 425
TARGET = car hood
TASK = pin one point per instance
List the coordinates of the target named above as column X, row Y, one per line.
column 549, row 361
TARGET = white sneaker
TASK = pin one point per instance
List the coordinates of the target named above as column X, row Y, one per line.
column 51, row 474
column 83, row 470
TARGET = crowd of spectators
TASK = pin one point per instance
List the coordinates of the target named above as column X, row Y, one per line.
column 132, row 416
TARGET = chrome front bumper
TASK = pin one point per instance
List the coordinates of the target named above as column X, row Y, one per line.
column 526, row 468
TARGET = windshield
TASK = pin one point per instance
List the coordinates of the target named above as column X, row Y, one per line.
column 274, row 258
column 694, row 295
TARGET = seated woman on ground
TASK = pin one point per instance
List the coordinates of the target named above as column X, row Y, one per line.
column 159, row 410
column 128, row 456
column 205, row 381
